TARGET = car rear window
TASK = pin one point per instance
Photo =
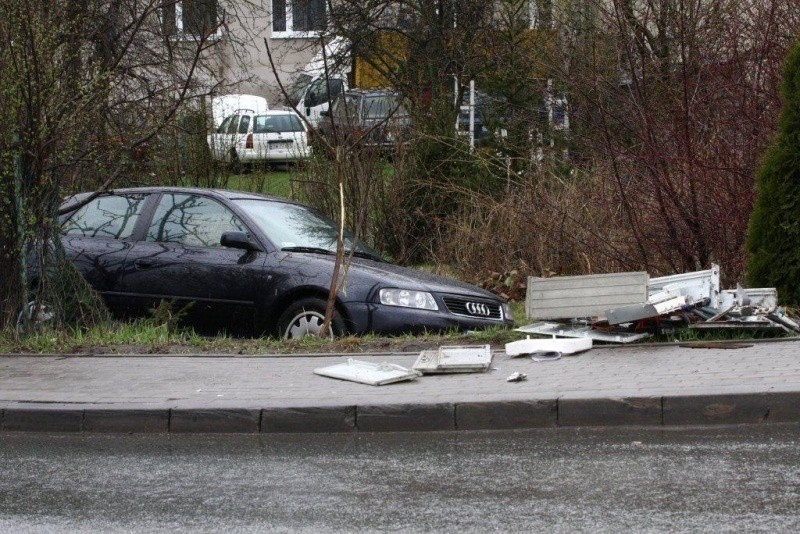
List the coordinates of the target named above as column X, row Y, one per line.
column 277, row 123
column 379, row 107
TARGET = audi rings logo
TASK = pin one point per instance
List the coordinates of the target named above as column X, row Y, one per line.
column 476, row 308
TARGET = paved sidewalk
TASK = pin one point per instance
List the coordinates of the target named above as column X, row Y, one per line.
column 640, row 385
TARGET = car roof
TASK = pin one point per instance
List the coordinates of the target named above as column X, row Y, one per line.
column 370, row 92
column 224, row 193
column 277, row 112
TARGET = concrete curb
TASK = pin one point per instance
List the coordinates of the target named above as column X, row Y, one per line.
column 761, row 408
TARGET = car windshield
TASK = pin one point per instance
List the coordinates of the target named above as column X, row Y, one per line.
column 277, row 123
column 298, row 87
column 296, row 227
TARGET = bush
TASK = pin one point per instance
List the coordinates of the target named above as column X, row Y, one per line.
column 773, row 240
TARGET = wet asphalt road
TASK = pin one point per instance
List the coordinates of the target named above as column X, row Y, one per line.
column 733, row 479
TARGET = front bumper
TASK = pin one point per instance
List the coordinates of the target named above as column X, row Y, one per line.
column 394, row 320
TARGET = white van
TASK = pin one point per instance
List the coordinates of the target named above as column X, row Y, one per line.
column 313, row 95
column 226, row 105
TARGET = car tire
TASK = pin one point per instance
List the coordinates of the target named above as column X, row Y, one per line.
column 305, row 317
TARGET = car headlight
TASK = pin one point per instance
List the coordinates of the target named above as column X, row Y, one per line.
column 405, row 298
column 507, row 313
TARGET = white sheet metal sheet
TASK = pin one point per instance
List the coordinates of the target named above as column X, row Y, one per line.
column 568, row 297
column 564, row 346
column 454, row 359
column 764, row 298
column 374, row 374
column 556, row 329
column 697, row 285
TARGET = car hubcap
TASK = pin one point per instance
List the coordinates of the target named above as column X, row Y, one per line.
column 36, row 315
column 306, row 324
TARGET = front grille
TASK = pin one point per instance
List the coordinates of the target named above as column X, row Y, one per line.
column 479, row 309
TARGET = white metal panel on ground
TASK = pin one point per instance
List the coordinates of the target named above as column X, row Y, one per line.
column 698, row 285
column 374, row 374
column 764, row 298
column 454, row 359
column 627, row 314
column 556, row 329
column 564, row 346
column 567, row 297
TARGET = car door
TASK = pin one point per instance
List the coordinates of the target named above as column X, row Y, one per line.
column 224, row 139
column 318, row 97
column 180, row 260
column 96, row 239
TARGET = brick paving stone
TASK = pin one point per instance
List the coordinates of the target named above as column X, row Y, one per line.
column 223, row 392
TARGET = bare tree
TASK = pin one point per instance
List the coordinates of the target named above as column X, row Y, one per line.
column 86, row 88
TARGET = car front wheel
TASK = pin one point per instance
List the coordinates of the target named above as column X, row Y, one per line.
column 305, row 317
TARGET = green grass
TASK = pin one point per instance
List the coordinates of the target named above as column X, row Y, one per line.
column 147, row 337
column 276, row 182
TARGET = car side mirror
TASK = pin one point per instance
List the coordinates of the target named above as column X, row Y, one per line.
column 238, row 240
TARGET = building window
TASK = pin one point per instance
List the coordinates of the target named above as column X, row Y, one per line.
column 191, row 18
column 297, row 18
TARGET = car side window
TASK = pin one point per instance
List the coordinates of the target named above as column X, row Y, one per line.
column 108, row 216
column 336, row 88
column 318, row 92
column 192, row 220
column 244, row 124
column 223, row 128
column 233, row 124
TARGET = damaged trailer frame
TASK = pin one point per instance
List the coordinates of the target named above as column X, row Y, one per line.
column 695, row 298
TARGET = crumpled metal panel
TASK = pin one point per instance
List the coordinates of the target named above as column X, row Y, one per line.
column 567, row 297
column 763, row 298
column 556, row 329
column 374, row 374
column 697, row 285
column 637, row 312
column 454, row 359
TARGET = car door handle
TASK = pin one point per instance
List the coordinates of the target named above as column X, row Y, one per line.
column 144, row 264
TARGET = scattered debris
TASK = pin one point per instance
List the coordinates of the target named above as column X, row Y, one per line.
column 517, row 377
column 374, row 374
column 532, row 346
column 454, row 359
column 626, row 307
column 581, row 331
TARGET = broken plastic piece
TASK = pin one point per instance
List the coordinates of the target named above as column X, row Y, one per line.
column 564, row 346
column 556, row 329
column 517, row 377
column 454, row 359
column 374, row 374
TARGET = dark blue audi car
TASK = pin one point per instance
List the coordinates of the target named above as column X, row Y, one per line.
column 251, row 263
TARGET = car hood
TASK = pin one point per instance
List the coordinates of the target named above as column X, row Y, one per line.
column 366, row 275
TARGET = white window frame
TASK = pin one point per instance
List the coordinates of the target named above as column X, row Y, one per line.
column 292, row 34
column 180, row 34
column 533, row 14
